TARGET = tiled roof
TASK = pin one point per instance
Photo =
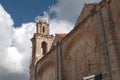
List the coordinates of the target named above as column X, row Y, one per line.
column 61, row 34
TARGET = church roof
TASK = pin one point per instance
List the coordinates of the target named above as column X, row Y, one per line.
column 61, row 35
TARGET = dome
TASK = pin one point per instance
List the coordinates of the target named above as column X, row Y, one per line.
column 42, row 21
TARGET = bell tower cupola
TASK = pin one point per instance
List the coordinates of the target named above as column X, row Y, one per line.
column 42, row 27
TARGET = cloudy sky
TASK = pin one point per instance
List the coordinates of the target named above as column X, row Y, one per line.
column 17, row 25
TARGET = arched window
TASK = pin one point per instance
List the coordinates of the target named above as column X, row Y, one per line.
column 43, row 29
column 44, row 47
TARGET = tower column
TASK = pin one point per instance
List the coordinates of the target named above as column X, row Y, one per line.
column 41, row 44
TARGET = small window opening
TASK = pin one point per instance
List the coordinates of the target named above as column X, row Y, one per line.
column 44, row 47
column 43, row 29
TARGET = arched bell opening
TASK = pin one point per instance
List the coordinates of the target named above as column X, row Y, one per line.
column 44, row 47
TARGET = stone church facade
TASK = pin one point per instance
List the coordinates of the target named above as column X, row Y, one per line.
column 91, row 51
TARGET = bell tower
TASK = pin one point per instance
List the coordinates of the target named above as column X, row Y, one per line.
column 41, row 44
column 42, row 40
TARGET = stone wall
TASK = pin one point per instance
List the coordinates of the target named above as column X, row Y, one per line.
column 93, row 45
column 47, row 66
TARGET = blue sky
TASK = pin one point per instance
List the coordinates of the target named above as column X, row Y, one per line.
column 23, row 11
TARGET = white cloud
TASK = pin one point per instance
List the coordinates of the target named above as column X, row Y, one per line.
column 22, row 36
column 60, row 26
column 15, row 46
column 69, row 9
column 6, row 27
column 6, row 24
column 21, row 40
column 14, row 59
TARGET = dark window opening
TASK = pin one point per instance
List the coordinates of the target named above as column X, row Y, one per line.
column 43, row 29
column 44, row 47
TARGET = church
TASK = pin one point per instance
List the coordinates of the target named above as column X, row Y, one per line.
column 91, row 51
